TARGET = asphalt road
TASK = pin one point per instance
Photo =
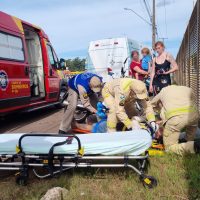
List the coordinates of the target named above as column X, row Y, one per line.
column 41, row 121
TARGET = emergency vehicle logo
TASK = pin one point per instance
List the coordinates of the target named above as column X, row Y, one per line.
column 3, row 80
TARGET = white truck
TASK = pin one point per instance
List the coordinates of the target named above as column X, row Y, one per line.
column 110, row 58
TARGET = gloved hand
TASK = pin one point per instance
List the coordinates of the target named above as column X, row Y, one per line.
column 154, row 126
column 101, row 110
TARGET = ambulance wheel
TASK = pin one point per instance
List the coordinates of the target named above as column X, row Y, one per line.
column 148, row 181
column 21, row 180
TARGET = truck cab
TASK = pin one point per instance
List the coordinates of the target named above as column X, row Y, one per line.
column 28, row 67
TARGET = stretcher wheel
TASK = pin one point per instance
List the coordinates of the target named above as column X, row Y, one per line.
column 21, row 180
column 148, row 181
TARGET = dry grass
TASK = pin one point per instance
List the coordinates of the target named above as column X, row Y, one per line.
column 179, row 178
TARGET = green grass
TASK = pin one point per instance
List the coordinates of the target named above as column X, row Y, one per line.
column 178, row 178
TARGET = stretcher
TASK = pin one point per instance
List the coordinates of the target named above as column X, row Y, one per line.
column 59, row 153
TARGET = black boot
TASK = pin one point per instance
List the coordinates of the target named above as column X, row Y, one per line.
column 197, row 146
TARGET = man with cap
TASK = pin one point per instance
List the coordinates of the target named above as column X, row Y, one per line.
column 119, row 91
column 178, row 111
column 85, row 86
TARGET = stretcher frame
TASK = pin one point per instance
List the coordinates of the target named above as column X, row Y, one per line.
column 59, row 163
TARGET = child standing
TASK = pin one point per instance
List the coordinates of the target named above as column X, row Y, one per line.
column 146, row 63
column 146, row 60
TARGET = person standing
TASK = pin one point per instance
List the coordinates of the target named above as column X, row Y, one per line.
column 85, row 86
column 136, row 70
column 178, row 112
column 163, row 65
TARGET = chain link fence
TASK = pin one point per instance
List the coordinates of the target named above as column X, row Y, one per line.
column 188, row 57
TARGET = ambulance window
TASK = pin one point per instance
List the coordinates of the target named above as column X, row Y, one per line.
column 50, row 54
column 11, row 47
column 52, row 57
column 55, row 57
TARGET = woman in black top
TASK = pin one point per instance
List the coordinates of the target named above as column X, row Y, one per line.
column 163, row 65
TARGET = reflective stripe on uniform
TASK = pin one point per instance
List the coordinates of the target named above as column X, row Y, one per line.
column 180, row 111
column 127, row 123
column 111, row 124
column 105, row 93
column 150, row 117
column 126, row 84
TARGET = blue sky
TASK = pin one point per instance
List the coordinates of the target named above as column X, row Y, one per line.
column 72, row 24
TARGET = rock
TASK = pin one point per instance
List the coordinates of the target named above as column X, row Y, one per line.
column 56, row 193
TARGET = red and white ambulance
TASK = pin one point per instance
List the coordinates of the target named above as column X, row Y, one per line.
column 28, row 67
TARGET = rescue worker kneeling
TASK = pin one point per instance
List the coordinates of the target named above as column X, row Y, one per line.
column 115, row 94
column 85, row 85
column 178, row 112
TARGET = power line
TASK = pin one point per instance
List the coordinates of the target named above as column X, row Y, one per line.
column 165, row 18
column 152, row 17
column 148, row 11
column 142, row 6
column 149, row 7
column 158, row 32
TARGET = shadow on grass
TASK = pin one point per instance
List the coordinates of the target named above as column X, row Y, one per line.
column 192, row 170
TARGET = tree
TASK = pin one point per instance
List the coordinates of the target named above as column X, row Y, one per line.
column 75, row 64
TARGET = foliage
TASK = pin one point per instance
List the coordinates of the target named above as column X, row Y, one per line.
column 76, row 64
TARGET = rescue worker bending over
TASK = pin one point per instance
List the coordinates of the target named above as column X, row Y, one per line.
column 178, row 112
column 84, row 85
column 115, row 94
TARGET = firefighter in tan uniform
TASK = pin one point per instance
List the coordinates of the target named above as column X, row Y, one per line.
column 85, row 86
column 178, row 112
column 115, row 94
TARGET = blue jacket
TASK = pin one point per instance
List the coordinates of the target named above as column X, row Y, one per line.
column 145, row 62
column 83, row 80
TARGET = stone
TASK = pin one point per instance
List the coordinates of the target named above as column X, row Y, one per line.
column 56, row 193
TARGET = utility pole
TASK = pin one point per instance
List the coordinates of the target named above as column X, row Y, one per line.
column 152, row 22
column 154, row 25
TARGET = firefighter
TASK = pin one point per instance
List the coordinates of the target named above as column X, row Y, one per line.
column 115, row 94
column 178, row 112
column 85, row 86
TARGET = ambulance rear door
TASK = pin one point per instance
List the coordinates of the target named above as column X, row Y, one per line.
column 14, row 71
